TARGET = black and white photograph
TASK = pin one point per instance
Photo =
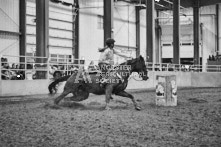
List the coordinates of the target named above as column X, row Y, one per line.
column 110, row 73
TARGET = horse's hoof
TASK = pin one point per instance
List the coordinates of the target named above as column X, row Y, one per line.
column 56, row 102
column 138, row 108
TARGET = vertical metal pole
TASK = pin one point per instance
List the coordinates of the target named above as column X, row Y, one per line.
column 217, row 29
column 157, row 40
column 150, row 36
column 108, row 19
column 42, row 36
column 0, row 69
column 22, row 23
column 42, row 31
column 76, row 32
column 176, row 32
column 196, row 58
column 137, row 9
column 48, row 65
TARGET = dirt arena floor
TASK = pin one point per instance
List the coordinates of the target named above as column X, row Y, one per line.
column 33, row 121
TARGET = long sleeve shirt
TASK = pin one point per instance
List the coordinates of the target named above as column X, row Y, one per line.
column 107, row 56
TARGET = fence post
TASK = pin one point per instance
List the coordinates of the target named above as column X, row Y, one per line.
column 25, row 68
column 1, row 67
column 48, row 67
column 152, row 66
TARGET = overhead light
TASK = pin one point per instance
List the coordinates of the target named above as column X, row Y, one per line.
column 62, row 2
column 55, row 1
column 141, row 5
column 66, row 4
column 157, row 0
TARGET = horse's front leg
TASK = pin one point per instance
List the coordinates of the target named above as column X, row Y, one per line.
column 60, row 97
column 108, row 92
column 125, row 94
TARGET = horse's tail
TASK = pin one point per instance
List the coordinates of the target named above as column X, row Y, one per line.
column 53, row 84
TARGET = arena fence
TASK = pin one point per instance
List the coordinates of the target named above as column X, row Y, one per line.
column 33, row 68
column 183, row 67
column 27, row 75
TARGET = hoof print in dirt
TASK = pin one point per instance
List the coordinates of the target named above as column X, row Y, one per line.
column 139, row 100
column 55, row 107
column 195, row 100
column 138, row 108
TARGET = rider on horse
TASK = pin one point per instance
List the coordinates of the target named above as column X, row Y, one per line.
column 106, row 60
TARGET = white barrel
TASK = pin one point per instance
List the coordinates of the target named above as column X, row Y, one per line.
column 166, row 90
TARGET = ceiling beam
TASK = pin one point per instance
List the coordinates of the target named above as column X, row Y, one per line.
column 209, row 2
column 183, row 3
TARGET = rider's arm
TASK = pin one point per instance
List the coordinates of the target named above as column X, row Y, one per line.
column 102, row 49
column 103, row 57
column 120, row 54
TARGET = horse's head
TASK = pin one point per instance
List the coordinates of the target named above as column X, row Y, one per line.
column 138, row 65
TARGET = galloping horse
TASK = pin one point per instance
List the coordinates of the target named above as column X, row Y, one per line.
column 82, row 83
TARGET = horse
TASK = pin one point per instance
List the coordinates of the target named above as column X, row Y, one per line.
column 81, row 83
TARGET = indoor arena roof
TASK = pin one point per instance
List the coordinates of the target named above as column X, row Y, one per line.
column 168, row 4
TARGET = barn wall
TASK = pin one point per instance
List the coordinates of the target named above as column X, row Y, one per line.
column 9, row 28
column 91, row 34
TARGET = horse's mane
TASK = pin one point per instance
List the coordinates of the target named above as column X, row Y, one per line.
column 133, row 60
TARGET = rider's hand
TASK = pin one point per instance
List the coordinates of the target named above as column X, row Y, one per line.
column 102, row 49
column 129, row 58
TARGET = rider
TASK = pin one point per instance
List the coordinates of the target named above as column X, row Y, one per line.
column 107, row 58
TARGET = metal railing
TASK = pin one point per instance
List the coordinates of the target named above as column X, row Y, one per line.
column 182, row 67
column 31, row 68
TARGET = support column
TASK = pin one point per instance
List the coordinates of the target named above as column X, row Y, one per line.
column 108, row 19
column 22, row 30
column 158, row 40
column 150, row 36
column 176, row 32
column 42, row 37
column 137, row 9
column 76, row 32
column 217, row 29
column 196, row 57
column 42, row 31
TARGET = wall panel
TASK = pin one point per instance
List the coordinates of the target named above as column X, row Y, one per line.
column 9, row 42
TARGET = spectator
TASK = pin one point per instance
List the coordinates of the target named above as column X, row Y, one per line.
column 170, row 67
column 157, row 67
column 164, row 68
column 13, row 66
column 74, row 69
column 213, row 58
column 57, row 74
column 22, row 71
column 187, row 67
column 183, row 68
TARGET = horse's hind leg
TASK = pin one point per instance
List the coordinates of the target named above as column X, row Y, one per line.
column 125, row 94
column 60, row 97
column 108, row 96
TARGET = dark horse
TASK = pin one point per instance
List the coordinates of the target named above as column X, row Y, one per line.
column 80, row 84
